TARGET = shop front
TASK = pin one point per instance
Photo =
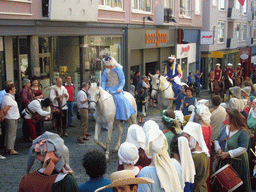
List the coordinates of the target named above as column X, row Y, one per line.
column 186, row 57
column 148, row 50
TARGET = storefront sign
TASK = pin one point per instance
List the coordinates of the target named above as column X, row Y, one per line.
column 216, row 54
column 185, row 49
column 156, row 38
column 207, row 38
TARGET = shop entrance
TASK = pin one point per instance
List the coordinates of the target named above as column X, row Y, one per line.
column 152, row 67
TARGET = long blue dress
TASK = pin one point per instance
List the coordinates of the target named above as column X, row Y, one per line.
column 177, row 87
column 123, row 107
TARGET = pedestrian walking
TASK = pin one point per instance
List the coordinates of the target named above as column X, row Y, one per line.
column 190, row 79
column 197, row 82
column 70, row 102
column 59, row 96
column 82, row 105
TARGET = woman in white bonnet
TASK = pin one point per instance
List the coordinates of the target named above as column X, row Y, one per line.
column 166, row 172
column 136, row 136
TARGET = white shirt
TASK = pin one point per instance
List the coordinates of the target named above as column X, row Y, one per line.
column 13, row 112
column 145, row 85
column 61, row 91
column 81, row 96
column 35, row 106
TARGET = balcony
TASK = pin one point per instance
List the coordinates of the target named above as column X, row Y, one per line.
column 233, row 14
column 59, row 10
column 232, row 43
column 249, row 41
column 250, row 16
column 163, row 15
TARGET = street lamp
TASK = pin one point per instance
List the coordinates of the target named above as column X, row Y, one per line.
column 148, row 18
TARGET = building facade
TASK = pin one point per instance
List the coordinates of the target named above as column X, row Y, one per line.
column 233, row 35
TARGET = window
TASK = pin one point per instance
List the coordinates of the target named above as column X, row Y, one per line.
column 113, row 4
column 244, row 8
column 185, row 8
column 254, row 32
column 221, row 31
column 169, row 4
column 214, row 32
column 214, row 2
column 198, row 7
column 237, row 30
column 141, row 5
column 244, row 31
column 251, row 30
column 221, row 5
column 237, row 5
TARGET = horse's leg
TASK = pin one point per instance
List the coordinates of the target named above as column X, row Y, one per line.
column 96, row 136
column 120, row 132
column 110, row 129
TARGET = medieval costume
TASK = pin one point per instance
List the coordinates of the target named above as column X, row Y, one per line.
column 113, row 80
column 236, row 102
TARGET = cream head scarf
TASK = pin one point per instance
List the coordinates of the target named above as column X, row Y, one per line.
column 49, row 148
column 179, row 116
column 236, row 91
column 247, row 90
column 128, row 154
column 204, row 112
column 196, row 135
column 136, row 136
column 150, row 124
column 156, row 149
column 187, row 163
column 200, row 102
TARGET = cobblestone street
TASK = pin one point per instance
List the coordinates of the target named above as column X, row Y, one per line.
column 14, row 167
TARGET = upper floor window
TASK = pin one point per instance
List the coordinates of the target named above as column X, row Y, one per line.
column 113, row 4
column 198, row 7
column 244, row 30
column 237, row 31
column 244, row 8
column 222, row 5
column 254, row 32
column 237, row 4
column 142, row 5
column 214, row 2
column 221, row 31
column 169, row 4
column 185, row 8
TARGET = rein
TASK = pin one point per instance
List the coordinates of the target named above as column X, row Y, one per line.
column 164, row 89
column 96, row 102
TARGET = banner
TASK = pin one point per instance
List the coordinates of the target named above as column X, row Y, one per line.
column 207, row 38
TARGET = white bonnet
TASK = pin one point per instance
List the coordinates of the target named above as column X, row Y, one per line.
column 136, row 136
column 128, row 153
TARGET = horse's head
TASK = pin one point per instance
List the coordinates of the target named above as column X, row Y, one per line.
column 155, row 83
column 93, row 96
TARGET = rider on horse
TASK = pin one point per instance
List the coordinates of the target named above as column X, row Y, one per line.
column 238, row 71
column 174, row 73
column 113, row 80
column 218, row 73
column 230, row 71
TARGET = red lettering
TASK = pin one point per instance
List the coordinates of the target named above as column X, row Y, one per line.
column 207, row 37
column 185, row 49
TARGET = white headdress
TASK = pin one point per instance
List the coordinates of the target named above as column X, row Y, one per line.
column 136, row 136
column 204, row 113
column 128, row 153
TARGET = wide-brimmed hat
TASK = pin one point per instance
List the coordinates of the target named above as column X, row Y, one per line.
column 125, row 177
column 236, row 91
column 172, row 57
column 247, row 90
column 217, row 64
column 230, row 64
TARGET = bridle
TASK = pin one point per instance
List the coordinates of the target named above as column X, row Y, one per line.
column 98, row 101
column 159, row 86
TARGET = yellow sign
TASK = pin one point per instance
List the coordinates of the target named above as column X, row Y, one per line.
column 217, row 54
column 156, row 38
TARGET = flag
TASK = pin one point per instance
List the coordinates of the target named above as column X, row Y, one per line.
column 241, row 2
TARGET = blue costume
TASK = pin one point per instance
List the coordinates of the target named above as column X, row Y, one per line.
column 197, row 81
column 186, row 103
column 179, row 100
column 177, row 87
column 113, row 80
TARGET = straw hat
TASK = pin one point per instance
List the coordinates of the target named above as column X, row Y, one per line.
column 172, row 57
column 217, row 64
column 236, row 91
column 125, row 177
column 247, row 90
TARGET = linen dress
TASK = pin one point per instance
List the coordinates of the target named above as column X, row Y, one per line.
column 239, row 139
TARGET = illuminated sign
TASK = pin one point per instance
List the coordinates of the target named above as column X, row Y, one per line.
column 156, row 38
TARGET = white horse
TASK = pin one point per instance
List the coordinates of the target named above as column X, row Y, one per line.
column 102, row 105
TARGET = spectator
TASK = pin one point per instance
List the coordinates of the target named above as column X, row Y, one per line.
column 36, row 90
column 217, row 117
column 82, row 105
column 166, row 172
column 136, row 79
column 193, row 132
column 128, row 155
column 26, row 98
column 251, row 120
column 136, row 136
column 95, row 164
column 40, row 106
column 132, row 88
column 197, row 82
column 125, row 181
column 59, row 97
column 171, row 125
column 140, row 100
column 144, row 84
column 180, row 148
column 188, row 100
column 190, row 79
column 245, row 92
column 248, row 106
column 180, row 97
column 70, row 102
column 55, row 174
column 12, row 114
column 236, row 102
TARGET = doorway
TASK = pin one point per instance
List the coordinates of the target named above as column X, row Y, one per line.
column 152, row 67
